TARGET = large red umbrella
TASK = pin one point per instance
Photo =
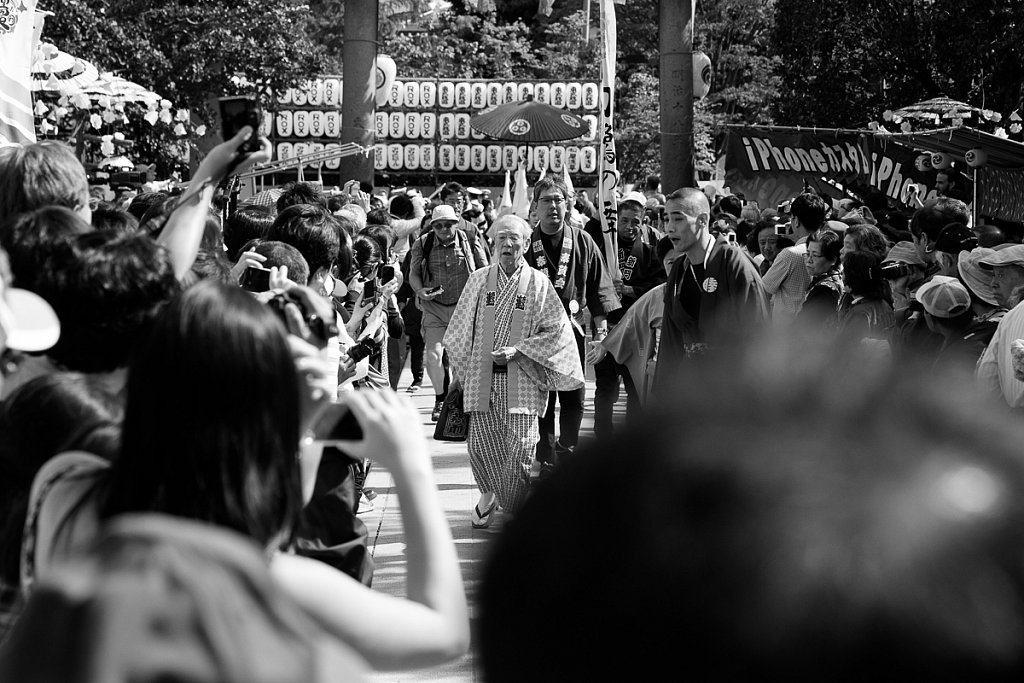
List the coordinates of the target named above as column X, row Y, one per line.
column 529, row 121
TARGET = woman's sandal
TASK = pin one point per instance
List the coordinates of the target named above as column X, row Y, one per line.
column 482, row 520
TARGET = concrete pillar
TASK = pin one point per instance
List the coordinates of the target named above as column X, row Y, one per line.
column 676, row 95
column 359, row 55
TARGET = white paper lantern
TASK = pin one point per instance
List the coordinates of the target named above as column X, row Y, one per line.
column 412, row 157
column 446, row 157
column 285, row 150
column 316, row 124
column 462, row 127
column 462, row 91
column 462, row 157
column 572, row 159
column 494, row 158
column 383, row 79
column 588, row 160
column 313, row 148
column 315, row 92
column 509, row 92
column 591, row 133
column 428, row 157
column 335, row 163
column 558, row 95
column 923, row 162
column 976, row 158
column 495, row 94
column 412, row 125
column 573, row 96
column 396, row 125
column 524, row 156
column 541, row 158
column 428, row 125
column 941, row 161
column 428, row 94
column 332, row 124
column 557, row 158
column 381, row 124
column 299, row 96
column 446, row 126
column 478, row 158
column 284, row 124
column 510, row 158
column 591, row 96
column 446, row 95
column 701, row 75
column 380, row 157
column 524, row 91
column 396, row 95
column 396, row 157
column 412, row 94
column 478, row 95
column 284, row 96
column 332, row 92
column 299, row 149
column 542, row 93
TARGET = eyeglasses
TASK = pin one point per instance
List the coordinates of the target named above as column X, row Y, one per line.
column 551, row 200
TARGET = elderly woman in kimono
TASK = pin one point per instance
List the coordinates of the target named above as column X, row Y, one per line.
column 510, row 343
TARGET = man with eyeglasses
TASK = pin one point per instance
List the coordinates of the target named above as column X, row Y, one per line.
column 572, row 260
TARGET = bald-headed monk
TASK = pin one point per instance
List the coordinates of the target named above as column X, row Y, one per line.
column 510, row 343
column 714, row 296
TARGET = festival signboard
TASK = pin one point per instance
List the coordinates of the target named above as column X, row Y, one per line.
column 770, row 165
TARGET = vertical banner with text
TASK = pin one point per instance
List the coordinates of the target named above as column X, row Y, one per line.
column 608, row 177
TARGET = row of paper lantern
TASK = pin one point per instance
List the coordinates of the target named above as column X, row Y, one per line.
column 940, row 161
column 396, row 125
column 477, row 158
column 484, row 158
column 428, row 94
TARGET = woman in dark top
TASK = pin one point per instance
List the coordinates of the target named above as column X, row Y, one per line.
column 865, row 313
column 821, row 304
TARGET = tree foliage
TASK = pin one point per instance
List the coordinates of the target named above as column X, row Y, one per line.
column 862, row 57
column 189, row 51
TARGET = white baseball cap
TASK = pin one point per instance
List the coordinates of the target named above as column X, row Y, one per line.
column 27, row 322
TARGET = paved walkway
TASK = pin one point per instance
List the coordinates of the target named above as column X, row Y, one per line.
column 458, row 496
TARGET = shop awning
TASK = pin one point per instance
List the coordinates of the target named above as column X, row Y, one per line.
column 1002, row 153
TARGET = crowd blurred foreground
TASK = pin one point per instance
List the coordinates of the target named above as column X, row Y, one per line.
column 818, row 477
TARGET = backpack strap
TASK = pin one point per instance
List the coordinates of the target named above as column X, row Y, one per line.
column 428, row 245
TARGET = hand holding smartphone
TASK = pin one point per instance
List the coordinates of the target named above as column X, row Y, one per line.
column 235, row 114
column 255, row 279
column 337, row 423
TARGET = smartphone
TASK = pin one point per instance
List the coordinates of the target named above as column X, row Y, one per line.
column 237, row 112
column 337, row 423
column 255, row 279
column 387, row 274
column 731, row 237
column 781, row 229
column 435, row 290
column 369, row 290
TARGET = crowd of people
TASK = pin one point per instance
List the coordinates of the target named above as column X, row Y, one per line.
column 195, row 389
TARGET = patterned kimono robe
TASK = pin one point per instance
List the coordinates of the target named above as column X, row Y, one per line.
column 494, row 311
column 549, row 361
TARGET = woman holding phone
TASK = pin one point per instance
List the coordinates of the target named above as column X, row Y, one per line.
column 217, row 401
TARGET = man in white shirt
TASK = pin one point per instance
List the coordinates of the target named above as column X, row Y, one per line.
column 786, row 282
